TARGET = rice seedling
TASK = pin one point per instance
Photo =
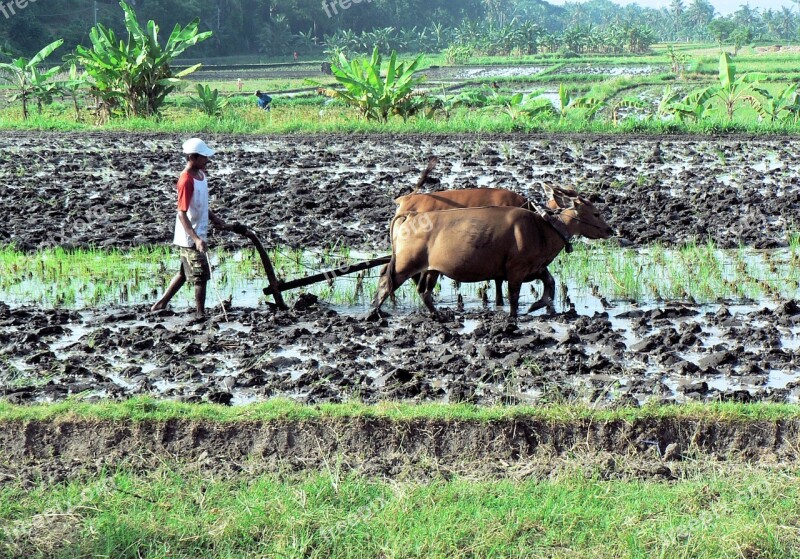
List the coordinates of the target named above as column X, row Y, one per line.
column 701, row 271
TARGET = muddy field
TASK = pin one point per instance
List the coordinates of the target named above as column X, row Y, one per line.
column 111, row 190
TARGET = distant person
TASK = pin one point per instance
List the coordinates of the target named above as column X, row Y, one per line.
column 295, row 56
column 264, row 100
column 191, row 226
column 239, row 84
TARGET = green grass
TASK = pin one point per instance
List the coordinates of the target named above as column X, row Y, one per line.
column 149, row 409
column 309, row 117
column 180, row 513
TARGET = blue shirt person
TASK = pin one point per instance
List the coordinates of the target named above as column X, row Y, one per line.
column 263, row 100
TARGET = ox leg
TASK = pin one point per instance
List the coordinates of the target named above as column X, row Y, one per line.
column 498, row 297
column 425, row 289
column 513, row 297
column 390, row 281
column 548, row 294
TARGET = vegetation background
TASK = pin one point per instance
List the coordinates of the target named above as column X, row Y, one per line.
column 279, row 28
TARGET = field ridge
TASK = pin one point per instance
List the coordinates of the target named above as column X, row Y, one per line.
column 62, row 447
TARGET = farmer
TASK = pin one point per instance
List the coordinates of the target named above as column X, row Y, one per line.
column 263, row 100
column 191, row 226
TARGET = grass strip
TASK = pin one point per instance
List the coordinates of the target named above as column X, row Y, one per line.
column 180, row 513
column 144, row 408
column 309, row 117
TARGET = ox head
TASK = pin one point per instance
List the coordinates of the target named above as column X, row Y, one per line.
column 578, row 214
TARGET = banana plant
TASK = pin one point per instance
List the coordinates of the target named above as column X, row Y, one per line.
column 667, row 102
column 27, row 81
column 449, row 103
column 376, row 96
column 628, row 102
column 72, row 85
column 732, row 90
column 695, row 104
column 209, row 101
column 590, row 105
column 774, row 107
column 136, row 75
column 532, row 106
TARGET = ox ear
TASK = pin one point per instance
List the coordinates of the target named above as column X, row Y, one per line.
column 563, row 198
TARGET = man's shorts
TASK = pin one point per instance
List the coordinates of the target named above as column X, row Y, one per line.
column 195, row 265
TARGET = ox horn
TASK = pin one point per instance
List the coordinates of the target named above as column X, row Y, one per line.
column 424, row 176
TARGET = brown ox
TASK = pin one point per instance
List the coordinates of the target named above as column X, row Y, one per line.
column 487, row 243
column 476, row 198
column 464, row 198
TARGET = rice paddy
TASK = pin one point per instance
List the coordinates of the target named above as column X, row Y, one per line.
column 695, row 271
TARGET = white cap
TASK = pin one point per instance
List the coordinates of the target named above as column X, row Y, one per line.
column 198, row 146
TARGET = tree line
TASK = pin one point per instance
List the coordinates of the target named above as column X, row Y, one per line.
column 282, row 27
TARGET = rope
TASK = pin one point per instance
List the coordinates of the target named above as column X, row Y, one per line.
column 337, row 259
column 214, row 287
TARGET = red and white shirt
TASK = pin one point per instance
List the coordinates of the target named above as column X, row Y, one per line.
column 192, row 199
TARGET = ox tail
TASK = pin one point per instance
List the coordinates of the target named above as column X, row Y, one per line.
column 386, row 283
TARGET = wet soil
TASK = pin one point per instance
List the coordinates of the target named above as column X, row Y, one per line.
column 117, row 190
column 660, row 449
column 313, row 191
column 312, row 353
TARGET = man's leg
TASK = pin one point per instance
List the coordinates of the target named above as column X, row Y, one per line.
column 200, row 297
column 177, row 282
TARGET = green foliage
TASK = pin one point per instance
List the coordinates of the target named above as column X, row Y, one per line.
column 678, row 61
column 27, row 80
column 721, row 29
column 458, row 54
column 693, row 105
column 135, row 76
column 72, row 85
column 209, row 101
column 531, row 106
column 627, row 102
column 732, row 90
column 377, row 97
column 586, row 105
column 786, row 104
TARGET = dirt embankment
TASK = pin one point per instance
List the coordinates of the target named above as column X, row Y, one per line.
column 660, row 448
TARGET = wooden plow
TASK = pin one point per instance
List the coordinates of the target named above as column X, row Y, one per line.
column 276, row 287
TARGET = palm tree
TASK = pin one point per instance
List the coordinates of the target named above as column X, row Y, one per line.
column 676, row 9
column 748, row 18
column 771, row 22
column 700, row 14
column 786, row 23
column 576, row 14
